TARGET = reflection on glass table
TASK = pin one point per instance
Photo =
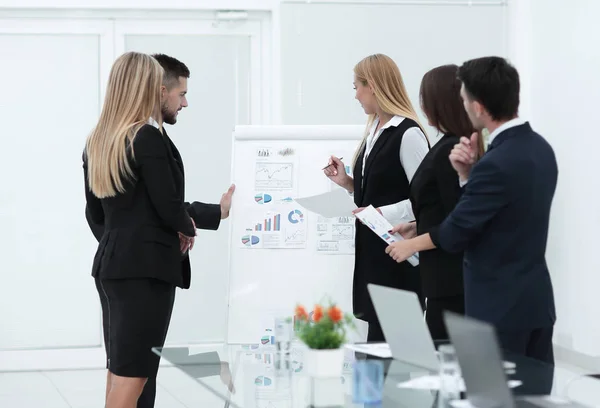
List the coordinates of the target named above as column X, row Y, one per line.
column 257, row 376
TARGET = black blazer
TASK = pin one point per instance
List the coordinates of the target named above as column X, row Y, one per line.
column 137, row 230
column 434, row 192
column 501, row 222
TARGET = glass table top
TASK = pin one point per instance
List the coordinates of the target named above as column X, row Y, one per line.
column 257, row 376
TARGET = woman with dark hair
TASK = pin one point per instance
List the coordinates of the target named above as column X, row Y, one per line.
column 434, row 192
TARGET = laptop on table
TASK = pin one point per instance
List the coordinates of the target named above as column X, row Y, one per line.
column 476, row 341
column 404, row 327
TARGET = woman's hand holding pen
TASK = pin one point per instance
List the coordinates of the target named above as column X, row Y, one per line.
column 336, row 172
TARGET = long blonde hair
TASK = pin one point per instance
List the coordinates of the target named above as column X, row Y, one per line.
column 132, row 98
column 382, row 74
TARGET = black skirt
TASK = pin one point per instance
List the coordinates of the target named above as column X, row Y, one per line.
column 135, row 318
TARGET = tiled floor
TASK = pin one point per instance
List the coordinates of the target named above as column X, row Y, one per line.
column 85, row 389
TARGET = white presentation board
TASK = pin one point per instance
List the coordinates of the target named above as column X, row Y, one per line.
column 281, row 254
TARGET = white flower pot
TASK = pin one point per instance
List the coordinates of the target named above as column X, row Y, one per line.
column 324, row 363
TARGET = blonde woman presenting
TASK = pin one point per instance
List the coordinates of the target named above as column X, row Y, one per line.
column 391, row 151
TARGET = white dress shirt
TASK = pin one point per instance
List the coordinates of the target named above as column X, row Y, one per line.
column 505, row 126
column 413, row 149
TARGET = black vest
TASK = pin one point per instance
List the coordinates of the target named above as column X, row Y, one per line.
column 384, row 183
column 385, row 180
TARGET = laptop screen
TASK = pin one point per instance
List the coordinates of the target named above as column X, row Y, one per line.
column 480, row 361
column 401, row 318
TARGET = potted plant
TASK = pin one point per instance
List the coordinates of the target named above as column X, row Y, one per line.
column 324, row 333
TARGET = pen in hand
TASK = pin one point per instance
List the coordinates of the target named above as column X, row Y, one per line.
column 331, row 164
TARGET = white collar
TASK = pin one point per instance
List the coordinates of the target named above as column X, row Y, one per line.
column 505, row 126
column 152, row 122
column 393, row 122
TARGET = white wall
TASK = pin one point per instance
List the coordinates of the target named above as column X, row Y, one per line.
column 45, row 247
column 564, row 83
column 204, row 4
column 323, row 42
column 142, row 4
column 553, row 43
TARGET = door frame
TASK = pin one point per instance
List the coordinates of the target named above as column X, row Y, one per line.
column 104, row 29
column 207, row 25
column 84, row 355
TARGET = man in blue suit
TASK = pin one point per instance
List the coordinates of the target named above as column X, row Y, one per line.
column 501, row 220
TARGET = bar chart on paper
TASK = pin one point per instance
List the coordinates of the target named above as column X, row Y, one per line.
column 283, row 227
column 269, row 224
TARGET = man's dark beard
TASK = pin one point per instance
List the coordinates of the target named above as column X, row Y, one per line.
column 168, row 117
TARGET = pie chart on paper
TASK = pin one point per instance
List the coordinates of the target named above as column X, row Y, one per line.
column 262, row 380
column 263, row 198
column 295, row 216
column 250, row 240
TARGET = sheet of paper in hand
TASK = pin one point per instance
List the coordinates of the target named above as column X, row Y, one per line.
column 380, row 226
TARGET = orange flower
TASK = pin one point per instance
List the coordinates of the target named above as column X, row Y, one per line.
column 301, row 313
column 335, row 314
column 318, row 313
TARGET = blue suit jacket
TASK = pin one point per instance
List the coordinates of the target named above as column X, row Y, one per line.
column 501, row 222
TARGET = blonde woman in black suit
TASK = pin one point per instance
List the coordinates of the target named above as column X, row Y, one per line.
column 134, row 189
